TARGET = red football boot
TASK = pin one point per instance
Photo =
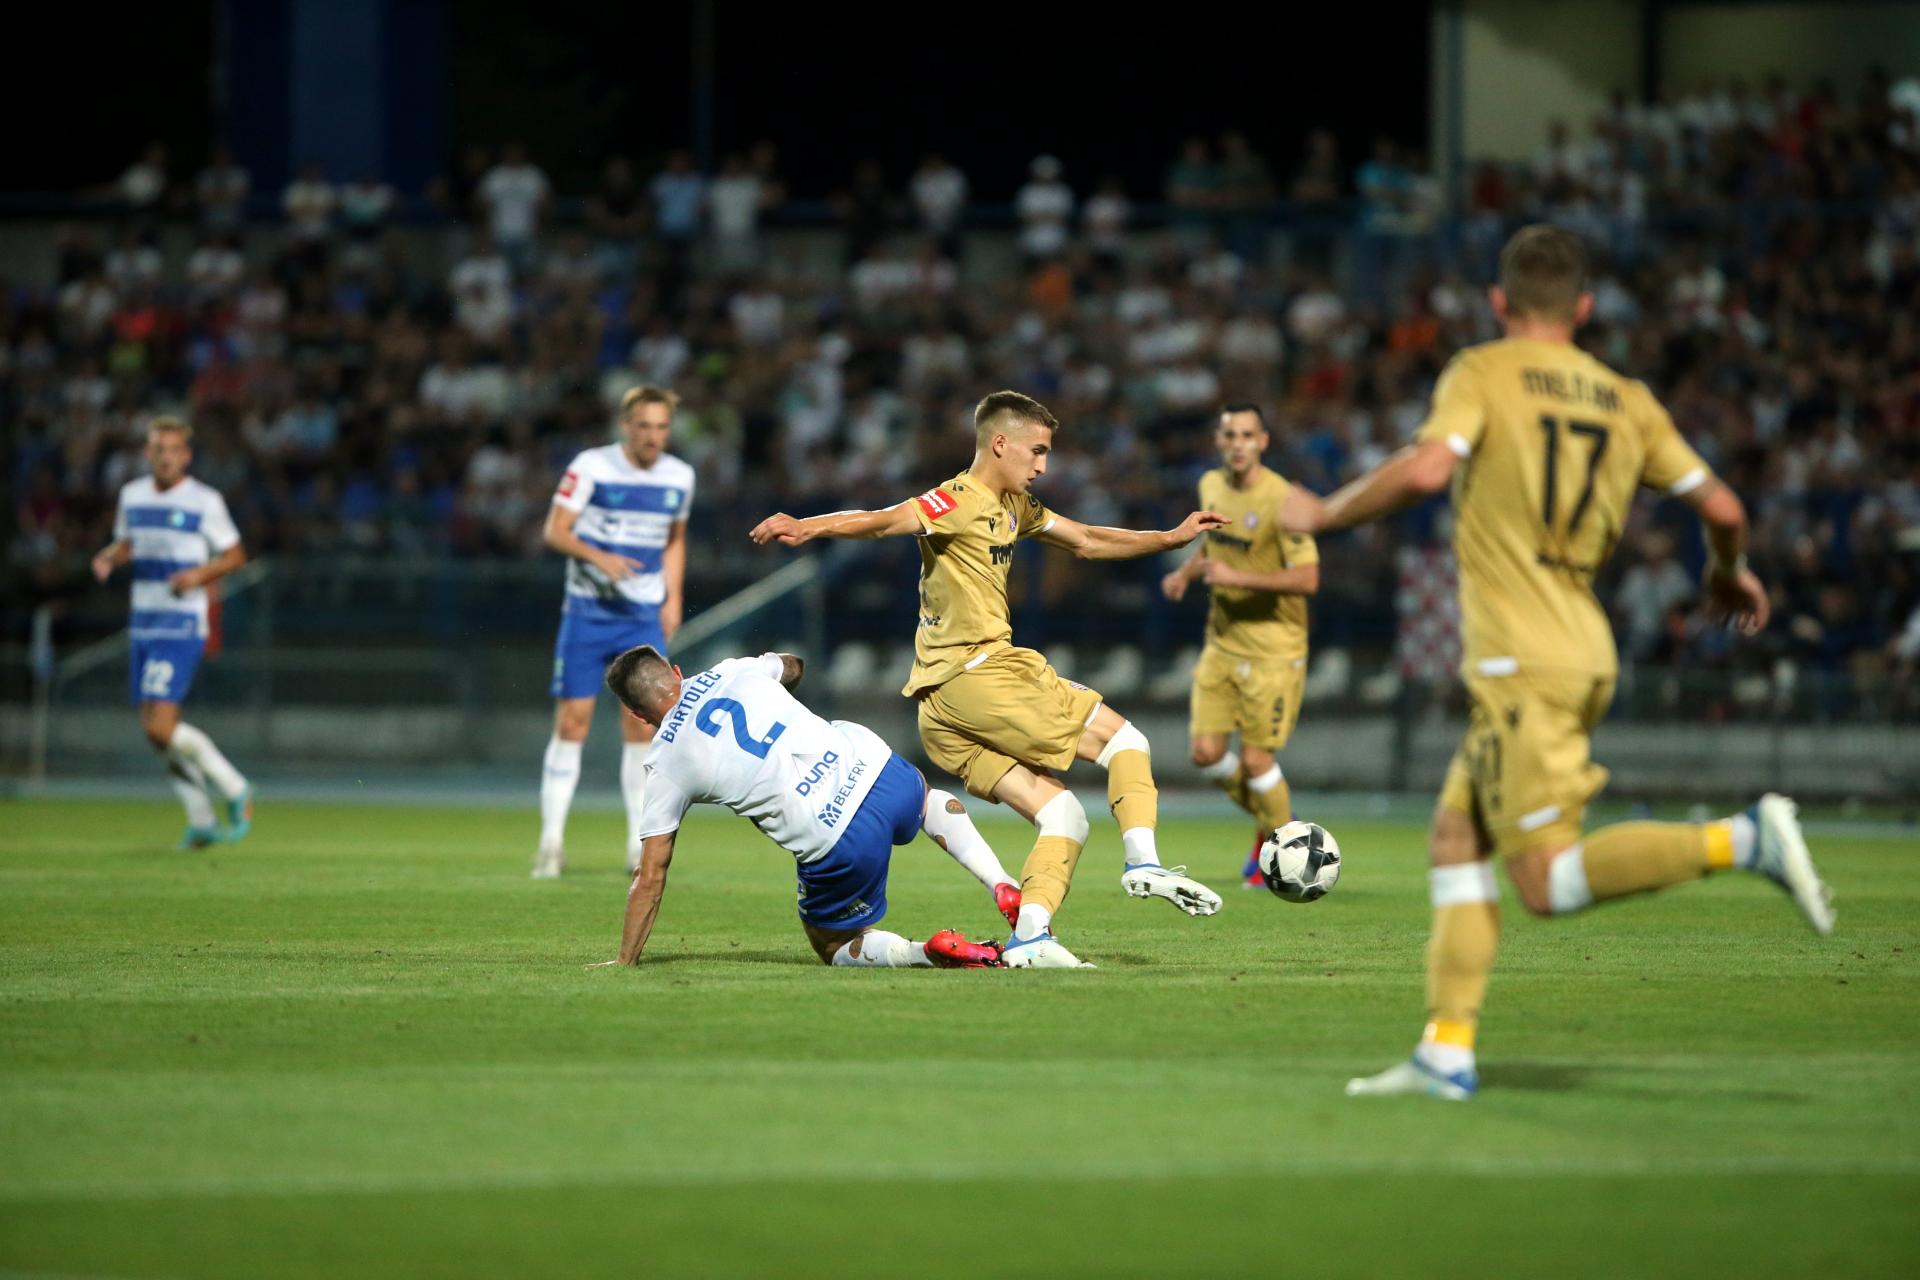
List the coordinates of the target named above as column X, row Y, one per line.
column 948, row 950
column 1007, row 898
column 1250, row 876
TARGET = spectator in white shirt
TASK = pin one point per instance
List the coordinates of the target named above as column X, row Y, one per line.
column 482, row 289
column 134, row 264
column 144, row 184
column 514, row 193
column 309, row 202
column 940, row 198
column 221, row 190
column 216, row 269
column 1647, row 592
column 1045, row 206
column 735, row 199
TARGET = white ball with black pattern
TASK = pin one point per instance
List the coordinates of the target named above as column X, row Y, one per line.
column 1300, row 861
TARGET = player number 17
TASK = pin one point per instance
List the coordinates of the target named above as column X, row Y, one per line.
column 1594, row 432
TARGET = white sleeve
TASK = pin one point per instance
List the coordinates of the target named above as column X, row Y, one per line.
column 120, row 517
column 686, row 507
column 665, row 806
column 217, row 527
column 772, row 666
column 575, row 487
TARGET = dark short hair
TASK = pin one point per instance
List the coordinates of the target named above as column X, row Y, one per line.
column 628, row 673
column 1245, row 406
column 1024, row 407
column 1543, row 271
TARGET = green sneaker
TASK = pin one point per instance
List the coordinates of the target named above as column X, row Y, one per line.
column 239, row 817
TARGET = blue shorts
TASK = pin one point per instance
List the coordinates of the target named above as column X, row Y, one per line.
column 847, row 889
column 589, row 640
column 161, row 667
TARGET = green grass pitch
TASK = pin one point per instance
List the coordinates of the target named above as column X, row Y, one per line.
column 365, row 1043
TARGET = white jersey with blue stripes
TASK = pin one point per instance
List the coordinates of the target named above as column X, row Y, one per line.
column 169, row 530
column 629, row 511
column 737, row 738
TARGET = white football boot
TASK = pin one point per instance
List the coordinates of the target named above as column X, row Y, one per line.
column 1780, row 854
column 1151, row 880
column 549, row 862
column 1042, row 951
column 1416, row 1078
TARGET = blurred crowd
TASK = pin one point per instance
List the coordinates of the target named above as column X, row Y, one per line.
column 406, row 374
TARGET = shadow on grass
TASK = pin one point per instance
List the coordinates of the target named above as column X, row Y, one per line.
column 1564, row 1077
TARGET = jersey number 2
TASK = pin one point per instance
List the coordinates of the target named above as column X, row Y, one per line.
column 1594, row 432
column 708, row 722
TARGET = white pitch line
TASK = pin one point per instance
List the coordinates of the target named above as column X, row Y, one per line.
column 1626, row 1166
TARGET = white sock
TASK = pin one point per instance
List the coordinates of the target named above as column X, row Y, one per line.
column 1266, row 781
column 1220, row 769
column 188, row 785
column 1139, row 846
column 1746, row 843
column 633, row 785
column 879, row 949
column 1447, row 1059
column 558, row 778
column 197, row 749
column 1032, row 921
column 1567, row 887
column 945, row 820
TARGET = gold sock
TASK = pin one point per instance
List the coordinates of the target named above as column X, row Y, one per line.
column 1130, row 790
column 1459, row 958
column 1634, row 857
column 1235, row 785
column 1273, row 807
column 1049, row 871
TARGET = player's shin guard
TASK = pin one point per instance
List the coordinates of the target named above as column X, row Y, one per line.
column 878, row 949
column 1635, row 857
column 558, row 778
column 1049, row 870
column 1130, row 792
column 946, row 823
column 633, row 788
column 1270, row 798
column 196, row 749
column 1466, row 934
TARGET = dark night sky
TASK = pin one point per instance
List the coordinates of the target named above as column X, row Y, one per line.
column 990, row 84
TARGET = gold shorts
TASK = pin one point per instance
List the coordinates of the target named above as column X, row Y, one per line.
column 1260, row 699
column 1525, row 772
column 1013, row 708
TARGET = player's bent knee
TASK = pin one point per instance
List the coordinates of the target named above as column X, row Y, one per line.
column 1125, row 738
column 1063, row 816
column 1255, row 760
column 1208, row 753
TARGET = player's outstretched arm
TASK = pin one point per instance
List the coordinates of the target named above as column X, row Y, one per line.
column 1098, row 542
column 643, row 898
column 789, row 531
column 1735, row 595
column 1414, row 473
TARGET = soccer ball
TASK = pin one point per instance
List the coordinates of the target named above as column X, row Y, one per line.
column 1300, row 861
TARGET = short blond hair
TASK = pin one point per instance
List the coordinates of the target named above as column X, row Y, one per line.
column 1002, row 409
column 168, row 422
column 647, row 393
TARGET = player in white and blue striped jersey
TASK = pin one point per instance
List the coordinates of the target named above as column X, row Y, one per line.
column 178, row 536
column 829, row 792
column 620, row 515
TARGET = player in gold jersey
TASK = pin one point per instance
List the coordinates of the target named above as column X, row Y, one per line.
column 1251, row 673
column 1544, row 447
column 999, row 717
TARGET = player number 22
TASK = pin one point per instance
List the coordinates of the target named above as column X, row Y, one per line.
column 708, row 722
column 1597, row 435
